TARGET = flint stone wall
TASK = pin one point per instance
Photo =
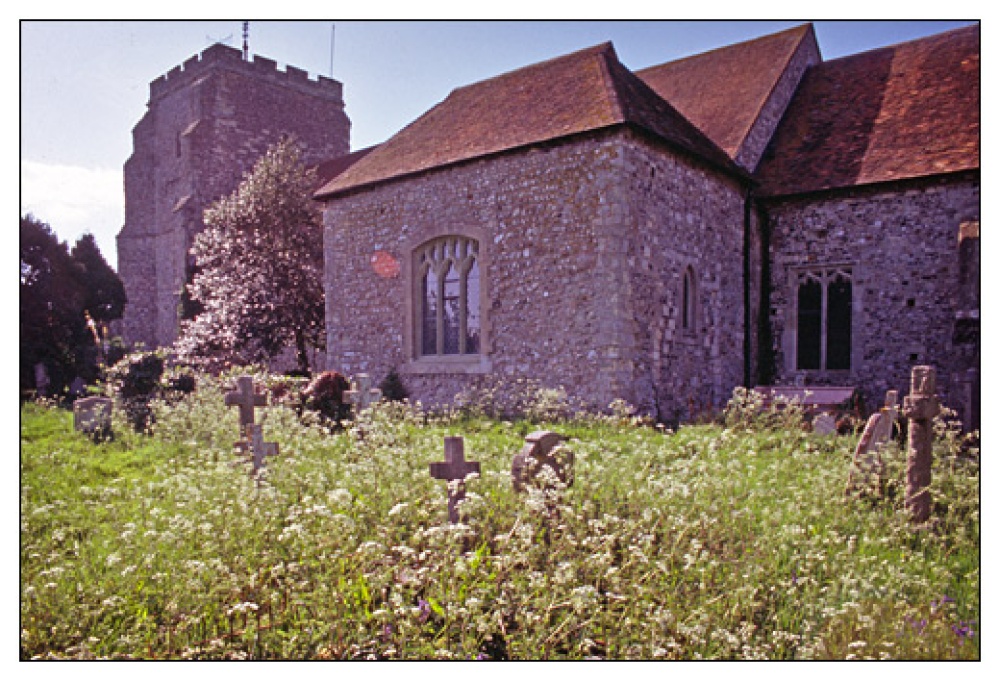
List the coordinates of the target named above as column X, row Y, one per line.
column 581, row 248
column 902, row 242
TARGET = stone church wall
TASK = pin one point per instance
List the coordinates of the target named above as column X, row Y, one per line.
column 683, row 215
column 550, row 222
column 902, row 242
column 585, row 245
column 206, row 124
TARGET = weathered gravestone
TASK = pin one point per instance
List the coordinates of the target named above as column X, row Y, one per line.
column 866, row 473
column 361, row 394
column 41, row 379
column 454, row 469
column 253, row 449
column 542, row 449
column 920, row 407
column 824, row 424
column 92, row 415
column 77, row 387
column 244, row 398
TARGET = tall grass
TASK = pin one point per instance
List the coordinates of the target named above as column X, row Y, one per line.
column 721, row 542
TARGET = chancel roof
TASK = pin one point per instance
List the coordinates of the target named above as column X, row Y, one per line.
column 581, row 92
column 723, row 91
column 906, row 111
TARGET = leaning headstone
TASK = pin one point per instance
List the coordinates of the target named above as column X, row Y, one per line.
column 920, row 407
column 824, row 424
column 454, row 468
column 542, row 449
column 92, row 415
column 866, row 473
column 244, row 398
column 361, row 394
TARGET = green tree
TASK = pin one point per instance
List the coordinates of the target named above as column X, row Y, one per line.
column 258, row 271
column 103, row 291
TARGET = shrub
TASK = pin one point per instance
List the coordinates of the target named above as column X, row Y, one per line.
column 392, row 387
column 134, row 381
column 325, row 395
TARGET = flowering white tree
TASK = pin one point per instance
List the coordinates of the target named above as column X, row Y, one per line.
column 259, row 268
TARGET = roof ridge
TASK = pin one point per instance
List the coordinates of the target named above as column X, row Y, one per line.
column 596, row 49
column 810, row 31
column 698, row 55
column 610, row 83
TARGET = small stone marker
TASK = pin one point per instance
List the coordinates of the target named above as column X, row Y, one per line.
column 362, row 395
column 244, row 398
column 92, row 415
column 866, row 473
column 41, row 379
column 920, row 407
column 454, row 467
column 824, row 424
column 542, row 448
column 78, row 387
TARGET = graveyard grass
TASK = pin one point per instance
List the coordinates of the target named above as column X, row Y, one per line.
column 724, row 541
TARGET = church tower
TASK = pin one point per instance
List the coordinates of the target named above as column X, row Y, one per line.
column 206, row 124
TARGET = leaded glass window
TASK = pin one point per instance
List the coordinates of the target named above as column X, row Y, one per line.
column 448, row 273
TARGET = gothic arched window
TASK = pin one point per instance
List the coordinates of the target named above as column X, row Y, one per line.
column 823, row 319
column 448, row 281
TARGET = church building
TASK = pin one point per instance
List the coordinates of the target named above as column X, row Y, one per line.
column 752, row 215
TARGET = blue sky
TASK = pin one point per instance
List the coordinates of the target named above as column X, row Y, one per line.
column 84, row 84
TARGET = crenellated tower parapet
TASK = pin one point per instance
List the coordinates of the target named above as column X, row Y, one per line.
column 223, row 56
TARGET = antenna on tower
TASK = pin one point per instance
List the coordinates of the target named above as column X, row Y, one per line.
column 333, row 28
column 246, row 36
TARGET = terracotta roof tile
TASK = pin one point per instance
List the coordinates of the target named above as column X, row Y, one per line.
column 580, row 92
column 328, row 170
column 899, row 112
column 723, row 91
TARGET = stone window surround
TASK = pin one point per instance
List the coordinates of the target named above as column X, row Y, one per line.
column 443, row 364
column 790, row 335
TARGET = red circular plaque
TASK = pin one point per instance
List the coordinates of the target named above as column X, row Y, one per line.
column 385, row 265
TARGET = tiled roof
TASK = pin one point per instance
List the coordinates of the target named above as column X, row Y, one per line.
column 327, row 170
column 580, row 92
column 900, row 112
column 723, row 91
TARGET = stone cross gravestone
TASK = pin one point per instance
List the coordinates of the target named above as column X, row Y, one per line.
column 454, row 468
column 258, row 448
column 866, row 473
column 920, row 407
column 542, row 448
column 92, row 415
column 362, row 395
column 244, row 398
